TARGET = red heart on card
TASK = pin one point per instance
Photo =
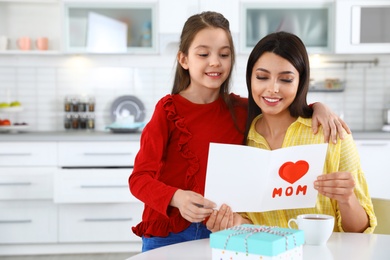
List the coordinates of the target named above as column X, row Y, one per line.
column 291, row 172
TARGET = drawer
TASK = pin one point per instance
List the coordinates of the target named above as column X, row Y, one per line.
column 28, row 222
column 92, row 186
column 99, row 222
column 28, row 153
column 73, row 154
column 26, row 183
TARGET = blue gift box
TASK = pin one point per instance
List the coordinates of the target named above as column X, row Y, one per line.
column 257, row 240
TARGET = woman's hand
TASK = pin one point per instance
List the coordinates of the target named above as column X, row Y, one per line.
column 338, row 186
column 224, row 218
column 331, row 123
column 192, row 206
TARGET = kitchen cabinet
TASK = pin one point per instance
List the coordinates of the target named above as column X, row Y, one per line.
column 80, row 26
column 104, row 27
column 31, row 19
column 92, row 193
column 312, row 22
column 26, row 193
column 374, row 156
column 363, row 26
column 67, row 197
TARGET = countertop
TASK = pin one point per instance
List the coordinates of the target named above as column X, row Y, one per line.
column 109, row 136
column 69, row 136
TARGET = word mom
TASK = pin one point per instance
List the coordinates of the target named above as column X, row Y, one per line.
column 289, row 191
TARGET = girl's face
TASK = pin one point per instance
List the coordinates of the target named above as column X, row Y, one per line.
column 274, row 83
column 209, row 59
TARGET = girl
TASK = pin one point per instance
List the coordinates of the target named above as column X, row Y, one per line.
column 277, row 79
column 170, row 167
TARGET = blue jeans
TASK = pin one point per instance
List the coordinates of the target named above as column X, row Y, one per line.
column 193, row 232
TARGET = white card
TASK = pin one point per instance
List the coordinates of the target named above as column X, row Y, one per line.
column 250, row 179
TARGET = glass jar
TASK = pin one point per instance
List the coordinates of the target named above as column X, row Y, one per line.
column 75, row 105
column 75, row 121
column 67, row 121
column 83, row 121
column 68, row 104
column 83, row 104
column 91, row 121
column 91, row 104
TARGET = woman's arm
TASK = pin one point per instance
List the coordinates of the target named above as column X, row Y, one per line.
column 340, row 186
column 331, row 123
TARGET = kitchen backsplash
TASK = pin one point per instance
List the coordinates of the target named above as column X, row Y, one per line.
column 41, row 83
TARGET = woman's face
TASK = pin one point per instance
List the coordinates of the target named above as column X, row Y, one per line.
column 274, row 83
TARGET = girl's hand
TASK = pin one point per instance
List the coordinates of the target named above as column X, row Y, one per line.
column 220, row 219
column 331, row 123
column 225, row 218
column 192, row 206
column 338, row 186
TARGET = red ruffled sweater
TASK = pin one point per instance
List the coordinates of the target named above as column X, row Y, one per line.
column 173, row 155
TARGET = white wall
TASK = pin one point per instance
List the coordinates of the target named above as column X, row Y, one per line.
column 41, row 82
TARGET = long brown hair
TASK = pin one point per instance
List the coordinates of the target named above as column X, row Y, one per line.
column 291, row 48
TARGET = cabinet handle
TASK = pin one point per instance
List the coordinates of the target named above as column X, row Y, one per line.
column 107, row 154
column 373, row 144
column 102, row 186
column 15, row 154
column 107, row 219
column 15, row 221
column 15, row 183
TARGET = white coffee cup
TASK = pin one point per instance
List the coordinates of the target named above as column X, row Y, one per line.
column 317, row 228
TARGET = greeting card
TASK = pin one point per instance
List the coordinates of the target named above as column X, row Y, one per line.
column 249, row 179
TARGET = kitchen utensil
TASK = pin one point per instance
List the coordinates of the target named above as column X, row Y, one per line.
column 42, row 43
column 125, row 128
column 126, row 106
column 24, row 43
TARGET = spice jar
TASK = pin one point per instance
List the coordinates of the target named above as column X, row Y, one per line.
column 91, row 121
column 67, row 104
column 91, row 104
column 75, row 104
column 67, row 121
column 75, row 121
column 83, row 121
column 83, row 104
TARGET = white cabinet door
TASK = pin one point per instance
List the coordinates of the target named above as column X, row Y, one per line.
column 28, row 222
column 28, row 154
column 26, row 183
column 93, row 186
column 312, row 22
column 99, row 222
column 374, row 157
column 94, row 154
column 110, row 27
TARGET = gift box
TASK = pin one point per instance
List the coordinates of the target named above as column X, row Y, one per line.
column 257, row 242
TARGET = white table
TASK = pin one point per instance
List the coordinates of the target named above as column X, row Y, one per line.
column 340, row 246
